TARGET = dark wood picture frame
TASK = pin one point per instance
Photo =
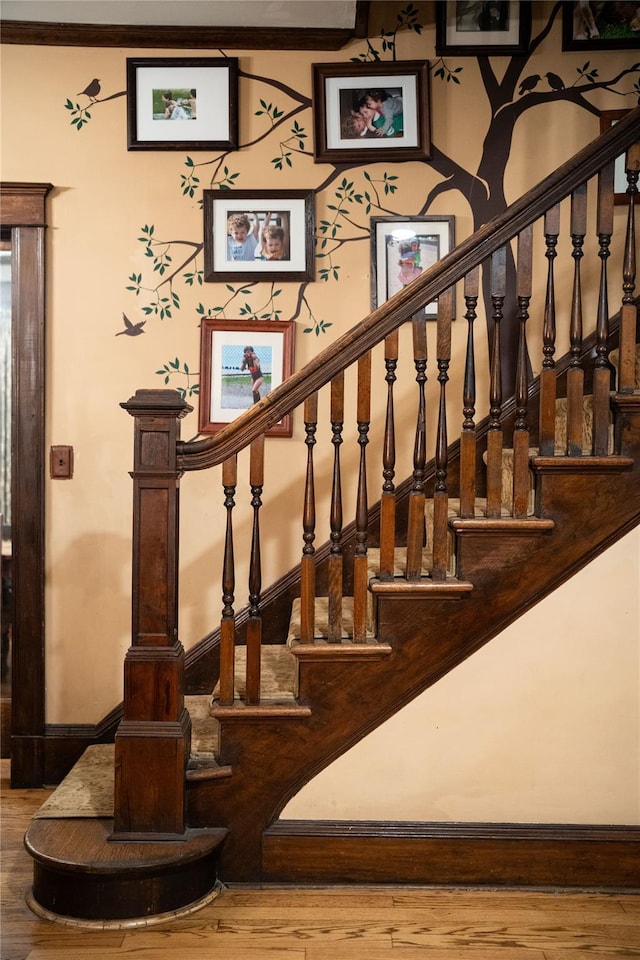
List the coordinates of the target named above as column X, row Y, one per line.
column 580, row 25
column 290, row 212
column 337, row 90
column 428, row 234
column 226, row 378
column 607, row 119
column 176, row 123
column 510, row 35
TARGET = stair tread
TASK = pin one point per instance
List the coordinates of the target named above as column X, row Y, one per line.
column 321, row 620
column 278, row 673
column 399, row 561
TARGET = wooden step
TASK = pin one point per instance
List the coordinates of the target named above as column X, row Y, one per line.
column 321, row 621
column 278, row 675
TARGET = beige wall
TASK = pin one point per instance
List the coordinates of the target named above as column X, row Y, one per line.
column 541, row 725
column 103, row 196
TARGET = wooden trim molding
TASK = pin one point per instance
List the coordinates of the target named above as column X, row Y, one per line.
column 173, row 37
column 509, row 854
column 23, row 218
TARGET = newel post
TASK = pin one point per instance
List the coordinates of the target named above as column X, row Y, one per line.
column 153, row 740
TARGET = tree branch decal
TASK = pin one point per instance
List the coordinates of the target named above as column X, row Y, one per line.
column 349, row 193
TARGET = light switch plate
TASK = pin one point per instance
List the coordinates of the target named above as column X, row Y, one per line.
column 61, row 463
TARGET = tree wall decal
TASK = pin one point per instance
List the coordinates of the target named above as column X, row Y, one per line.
column 353, row 192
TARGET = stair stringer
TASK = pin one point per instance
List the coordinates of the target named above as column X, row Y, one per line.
column 273, row 757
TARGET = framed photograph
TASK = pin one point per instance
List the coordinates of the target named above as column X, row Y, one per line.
column 176, row 103
column 240, row 363
column 402, row 248
column 607, row 119
column 600, row 26
column 495, row 28
column 371, row 111
column 258, row 234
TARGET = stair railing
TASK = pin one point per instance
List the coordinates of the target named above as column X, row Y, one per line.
column 155, row 662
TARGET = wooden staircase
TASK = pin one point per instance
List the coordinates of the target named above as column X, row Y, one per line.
column 395, row 599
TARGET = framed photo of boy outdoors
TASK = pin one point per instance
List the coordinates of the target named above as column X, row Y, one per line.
column 371, row 111
column 258, row 234
column 182, row 103
column 404, row 247
column 240, row 363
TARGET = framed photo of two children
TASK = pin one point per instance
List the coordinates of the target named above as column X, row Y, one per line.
column 371, row 111
column 258, row 234
column 182, row 103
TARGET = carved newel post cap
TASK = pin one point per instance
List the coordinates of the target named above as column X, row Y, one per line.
column 161, row 402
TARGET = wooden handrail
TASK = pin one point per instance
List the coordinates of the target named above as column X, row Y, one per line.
column 204, row 453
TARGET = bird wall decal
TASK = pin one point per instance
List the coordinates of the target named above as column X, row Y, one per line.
column 555, row 82
column 528, row 83
column 131, row 329
column 92, row 90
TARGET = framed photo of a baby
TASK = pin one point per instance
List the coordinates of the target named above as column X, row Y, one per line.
column 258, row 234
column 182, row 103
column 371, row 111
column 402, row 248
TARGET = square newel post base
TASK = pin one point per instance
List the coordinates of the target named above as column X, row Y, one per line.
column 150, row 763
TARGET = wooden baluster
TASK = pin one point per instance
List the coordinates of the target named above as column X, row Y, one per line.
column 521, row 474
column 388, row 498
column 602, row 371
column 548, row 373
column 360, row 577
column 308, row 563
column 629, row 313
column 254, row 622
column 415, row 532
column 575, row 375
column 440, row 494
column 468, row 436
column 227, row 624
column 335, row 555
column 494, row 436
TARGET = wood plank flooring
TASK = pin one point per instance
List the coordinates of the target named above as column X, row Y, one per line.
column 355, row 923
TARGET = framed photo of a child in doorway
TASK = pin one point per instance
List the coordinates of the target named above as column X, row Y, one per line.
column 240, row 363
column 404, row 247
column 182, row 103
column 371, row 111
column 484, row 28
column 258, row 234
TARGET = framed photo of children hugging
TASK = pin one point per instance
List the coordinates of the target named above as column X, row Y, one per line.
column 240, row 363
column 182, row 103
column 259, row 235
column 404, row 247
column 371, row 111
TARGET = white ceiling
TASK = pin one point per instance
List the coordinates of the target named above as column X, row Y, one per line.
column 339, row 14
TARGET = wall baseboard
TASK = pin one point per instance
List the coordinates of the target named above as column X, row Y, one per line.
column 444, row 854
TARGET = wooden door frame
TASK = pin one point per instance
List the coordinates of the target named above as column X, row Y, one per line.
column 23, row 218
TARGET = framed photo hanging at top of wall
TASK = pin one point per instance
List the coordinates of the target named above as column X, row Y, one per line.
column 182, row 103
column 404, row 247
column 600, row 26
column 493, row 28
column 258, row 235
column 371, row 111
column 240, row 363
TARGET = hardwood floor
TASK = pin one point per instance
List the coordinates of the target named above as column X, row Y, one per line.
column 356, row 923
